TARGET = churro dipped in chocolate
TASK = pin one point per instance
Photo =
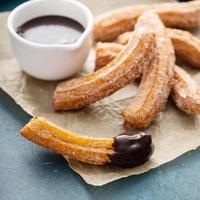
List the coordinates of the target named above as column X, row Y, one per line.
column 121, row 151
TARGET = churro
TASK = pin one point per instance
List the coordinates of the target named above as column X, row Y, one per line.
column 157, row 78
column 131, row 60
column 186, row 92
column 106, row 52
column 121, row 151
column 186, row 45
column 180, row 15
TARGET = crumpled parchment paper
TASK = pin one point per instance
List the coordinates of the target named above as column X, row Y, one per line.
column 174, row 132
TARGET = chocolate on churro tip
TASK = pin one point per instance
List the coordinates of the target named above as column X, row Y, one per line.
column 131, row 150
column 120, row 151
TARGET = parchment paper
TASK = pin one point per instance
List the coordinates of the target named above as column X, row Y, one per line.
column 174, row 132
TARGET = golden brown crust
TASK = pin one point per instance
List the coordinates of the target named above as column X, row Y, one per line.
column 186, row 45
column 186, row 92
column 180, row 15
column 85, row 149
column 136, row 55
column 121, row 151
column 123, row 38
column 157, row 79
column 107, row 52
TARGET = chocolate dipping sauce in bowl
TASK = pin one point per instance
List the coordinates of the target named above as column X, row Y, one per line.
column 51, row 39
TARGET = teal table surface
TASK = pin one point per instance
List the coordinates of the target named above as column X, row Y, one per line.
column 28, row 172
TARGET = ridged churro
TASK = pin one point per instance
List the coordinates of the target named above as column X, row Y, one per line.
column 121, row 151
column 135, row 56
column 186, row 45
column 186, row 92
column 180, row 15
column 106, row 53
column 157, row 78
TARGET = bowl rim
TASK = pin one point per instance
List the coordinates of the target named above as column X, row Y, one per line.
column 75, row 45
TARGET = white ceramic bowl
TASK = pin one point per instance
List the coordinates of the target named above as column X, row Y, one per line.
column 50, row 62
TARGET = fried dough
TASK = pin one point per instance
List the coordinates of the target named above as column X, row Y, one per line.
column 186, row 45
column 157, row 79
column 186, row 92
column 121, row 151
column 135, row 56
column 180, row 15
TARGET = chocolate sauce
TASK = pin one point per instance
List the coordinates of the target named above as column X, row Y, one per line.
column 51, row 30
column 131, row 150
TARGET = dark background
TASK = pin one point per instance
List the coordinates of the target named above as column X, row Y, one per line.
column 28, row 172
